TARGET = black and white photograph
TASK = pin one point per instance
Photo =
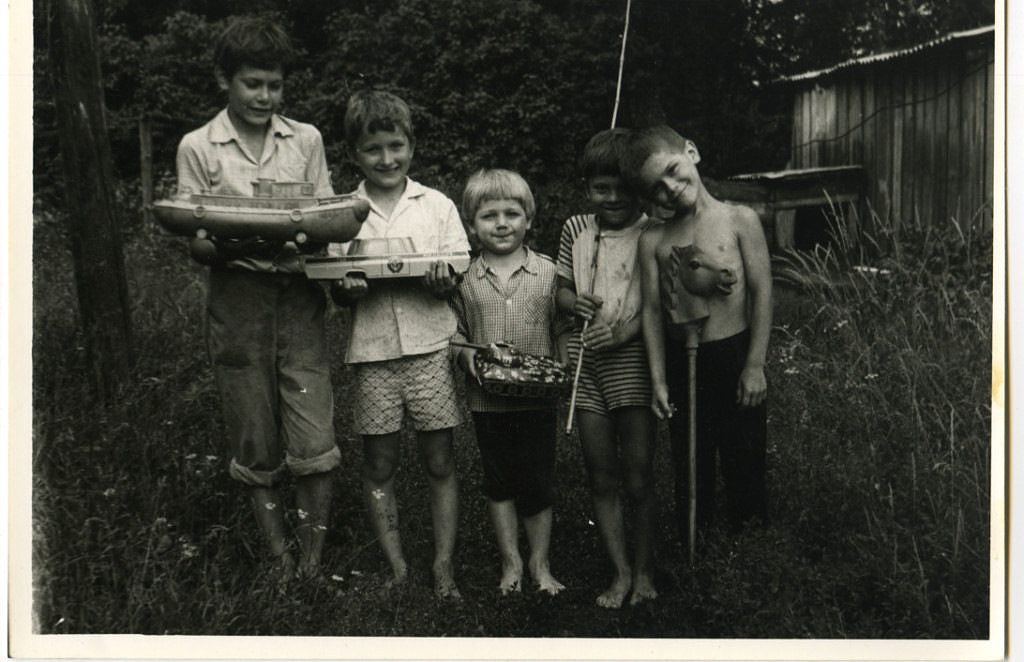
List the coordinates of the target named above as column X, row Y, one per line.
column 508, row 329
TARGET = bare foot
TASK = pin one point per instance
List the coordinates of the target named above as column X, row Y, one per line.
column 511, row 576
column 282, row 570
column 308, row 569
column 545, row 581
column 616, row 593
column 444, row 583
column 398, row 579
column 643, row 589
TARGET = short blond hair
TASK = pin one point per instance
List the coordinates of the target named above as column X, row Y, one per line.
column 496, row 184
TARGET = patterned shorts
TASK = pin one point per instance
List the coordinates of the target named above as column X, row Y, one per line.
column 614, row 378
column 423, row 386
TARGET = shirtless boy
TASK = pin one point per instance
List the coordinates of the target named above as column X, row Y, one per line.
column 731, row 388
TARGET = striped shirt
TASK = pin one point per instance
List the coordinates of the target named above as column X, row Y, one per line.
column 603, row 262
column 214, row 159
column 520, row 312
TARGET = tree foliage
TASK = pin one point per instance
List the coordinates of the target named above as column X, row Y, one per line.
column 519, row 84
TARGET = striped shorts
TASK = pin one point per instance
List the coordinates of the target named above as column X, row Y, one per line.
column 613, row 378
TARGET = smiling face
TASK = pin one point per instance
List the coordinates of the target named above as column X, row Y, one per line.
column 500, row 226
column 253, row 96
column 670, row 178
column 613, row 203
column 384, row 158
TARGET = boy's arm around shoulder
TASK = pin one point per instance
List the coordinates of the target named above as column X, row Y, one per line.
column 752, row 388
column 652, row 325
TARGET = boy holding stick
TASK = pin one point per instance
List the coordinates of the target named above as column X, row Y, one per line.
column 599, row 282
column 661, row 166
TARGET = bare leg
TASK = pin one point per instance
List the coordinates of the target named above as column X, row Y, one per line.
column 506, row 527
column 538, row 532
column 636, row 428
column 597, row 437
column 313, row 499
column 438, row 460
column 269, row 511
column 380, row 462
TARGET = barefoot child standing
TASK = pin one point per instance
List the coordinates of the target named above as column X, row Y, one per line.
column 399, row 333
column 265, row 319
column 731, row 387
column 508, row 295
column 599, row 281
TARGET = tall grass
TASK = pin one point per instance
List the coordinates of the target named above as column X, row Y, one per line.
column 878, row 461
column 882, row 420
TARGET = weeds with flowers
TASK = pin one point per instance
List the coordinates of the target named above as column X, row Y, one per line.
column 879, row 474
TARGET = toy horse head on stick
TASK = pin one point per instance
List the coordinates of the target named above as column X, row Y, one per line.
column 688, row 277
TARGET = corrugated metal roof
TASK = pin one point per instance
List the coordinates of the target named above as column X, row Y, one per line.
column 800, row 173
column 891, row 55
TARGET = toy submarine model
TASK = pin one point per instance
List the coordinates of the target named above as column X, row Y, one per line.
column 393, row 257
column 277, row 211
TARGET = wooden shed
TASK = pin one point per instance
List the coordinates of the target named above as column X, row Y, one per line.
column 919, row 121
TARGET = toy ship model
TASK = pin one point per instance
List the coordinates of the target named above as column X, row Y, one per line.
column 277, row 211
column 394, row 257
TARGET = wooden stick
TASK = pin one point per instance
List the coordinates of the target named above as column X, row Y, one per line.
column 576, row 381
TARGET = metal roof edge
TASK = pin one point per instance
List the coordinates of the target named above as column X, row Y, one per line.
column 888, row 55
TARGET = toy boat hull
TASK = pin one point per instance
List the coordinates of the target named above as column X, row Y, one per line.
column 335, row 219
column 397, row 265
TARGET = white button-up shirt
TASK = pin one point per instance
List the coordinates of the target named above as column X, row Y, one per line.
column 400, row 317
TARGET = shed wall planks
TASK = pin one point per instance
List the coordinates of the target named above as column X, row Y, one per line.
column 920, row 124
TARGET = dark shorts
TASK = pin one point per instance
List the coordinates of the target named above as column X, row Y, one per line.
column 734, row 436
column 266, row 341
column 517, row 450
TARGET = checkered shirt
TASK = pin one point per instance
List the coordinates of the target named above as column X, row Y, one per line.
column 520, row 312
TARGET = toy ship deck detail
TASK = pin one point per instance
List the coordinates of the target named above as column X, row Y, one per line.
column 282, row 211
column 382, row 258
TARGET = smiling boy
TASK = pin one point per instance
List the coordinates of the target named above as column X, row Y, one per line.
column 265, row 326
column 508, row 297
column 599, row 283
column 731, row 387
column 399, row 333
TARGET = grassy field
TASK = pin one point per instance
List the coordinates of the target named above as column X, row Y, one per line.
column 879, row 455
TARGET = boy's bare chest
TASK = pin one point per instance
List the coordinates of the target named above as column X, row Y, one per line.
column 709, row 237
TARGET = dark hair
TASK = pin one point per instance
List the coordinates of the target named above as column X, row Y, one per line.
column 375, row 110
column 253, row 41
column 602, row 153
column 641, row 144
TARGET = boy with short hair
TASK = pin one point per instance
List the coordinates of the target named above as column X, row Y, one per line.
column 400, row 332
column 731, row 387
column 265, row 319
column 508, row 296
column 599, row 281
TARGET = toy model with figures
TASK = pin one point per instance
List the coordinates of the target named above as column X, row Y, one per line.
column 277, row 211
column 393, row 257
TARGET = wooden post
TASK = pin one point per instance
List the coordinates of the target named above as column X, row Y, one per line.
column 100, row 281
column 146, row 166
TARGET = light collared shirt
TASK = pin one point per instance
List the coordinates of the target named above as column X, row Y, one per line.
column 214, row 159
column 400, row 317
column 520, row 311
